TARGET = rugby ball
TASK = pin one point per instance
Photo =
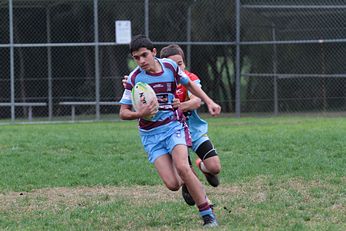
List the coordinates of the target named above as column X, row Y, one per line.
column 143, row 93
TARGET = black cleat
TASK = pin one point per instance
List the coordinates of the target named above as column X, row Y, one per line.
column 186, row 195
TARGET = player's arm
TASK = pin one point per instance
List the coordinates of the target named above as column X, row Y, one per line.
column 144, row 110
column 193, row 103
column 127, row 114
column 214, row 109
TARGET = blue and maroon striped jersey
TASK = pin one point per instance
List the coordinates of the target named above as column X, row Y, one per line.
column 164, row 85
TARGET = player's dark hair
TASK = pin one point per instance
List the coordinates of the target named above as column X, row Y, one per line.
column 170, row 50
column 140, row 41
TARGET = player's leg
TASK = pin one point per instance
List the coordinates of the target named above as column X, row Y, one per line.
column 158, row 155
column 171, row 179
column 167, row 172
column 185, row 192
column 212, row 165
column 176, row 145
column 207, row 153
column 208, row 162
column 180, row 161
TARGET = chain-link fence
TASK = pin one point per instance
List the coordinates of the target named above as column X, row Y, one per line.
column 294, row 51
column 59, row 59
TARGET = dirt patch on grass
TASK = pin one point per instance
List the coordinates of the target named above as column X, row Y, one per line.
column 224, row 196
column 54, row 198
column 49, row 198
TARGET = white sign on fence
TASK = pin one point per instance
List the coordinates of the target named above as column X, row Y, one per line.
column 123, row 31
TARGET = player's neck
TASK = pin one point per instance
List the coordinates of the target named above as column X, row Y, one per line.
column 156, row 67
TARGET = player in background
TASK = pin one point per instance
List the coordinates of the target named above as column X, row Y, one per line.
column 163, row 136
column 208, row 161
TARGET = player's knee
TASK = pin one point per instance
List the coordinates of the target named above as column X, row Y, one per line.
column 172, row 185
column 214, row 169
column 213, row 165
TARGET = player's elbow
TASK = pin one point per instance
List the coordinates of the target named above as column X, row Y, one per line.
column 123, row 114
column 196, row 103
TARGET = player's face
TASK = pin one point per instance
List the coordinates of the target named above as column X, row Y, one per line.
column 179, row 60
column 145, row 58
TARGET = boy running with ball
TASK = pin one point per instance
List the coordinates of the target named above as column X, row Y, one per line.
column 163, row 136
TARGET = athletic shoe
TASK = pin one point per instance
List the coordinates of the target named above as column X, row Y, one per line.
column 213, row 180
column 186, row 195
column 209, row 221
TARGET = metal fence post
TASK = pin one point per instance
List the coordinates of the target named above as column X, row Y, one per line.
column 237, row 64
column 188, row 37
column 97, row 61
column 146, row 17
column 49, row 64
column 275, row 67
column 10, row 11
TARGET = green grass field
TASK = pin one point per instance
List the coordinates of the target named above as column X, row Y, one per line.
column 282, row 173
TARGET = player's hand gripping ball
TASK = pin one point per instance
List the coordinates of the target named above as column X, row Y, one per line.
column 143, row 93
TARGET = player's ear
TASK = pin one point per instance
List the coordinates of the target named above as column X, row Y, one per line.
column 154, row 52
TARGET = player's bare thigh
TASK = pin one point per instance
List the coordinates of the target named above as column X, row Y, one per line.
column 167, row 172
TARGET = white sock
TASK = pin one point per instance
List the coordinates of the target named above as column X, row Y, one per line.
column 204, row 169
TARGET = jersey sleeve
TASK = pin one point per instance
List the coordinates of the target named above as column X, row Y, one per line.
column 179, row 75
column 191, row 75
column 183, row 78
column 126, row 98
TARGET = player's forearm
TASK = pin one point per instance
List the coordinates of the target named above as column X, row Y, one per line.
column 126, row 114
column 192, row 104
column 197, row 91
column 143, row 111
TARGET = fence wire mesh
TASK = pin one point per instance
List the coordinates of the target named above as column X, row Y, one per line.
column 295, row 52
column 59, row 59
